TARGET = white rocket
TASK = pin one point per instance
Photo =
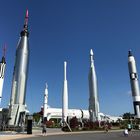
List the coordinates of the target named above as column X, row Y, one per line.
column 45, row 103
column 134, row 84
column 2, row 70
column 93, row 93
column 20, row 74
column 65, row 97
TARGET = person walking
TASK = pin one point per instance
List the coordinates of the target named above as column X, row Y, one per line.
column 125, row 132
column 44, row 130
column 129, row 127
column 106, row 128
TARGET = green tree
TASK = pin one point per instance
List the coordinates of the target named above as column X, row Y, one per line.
column 128, row 116
column 36, row 117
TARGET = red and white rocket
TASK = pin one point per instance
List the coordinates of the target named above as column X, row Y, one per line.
column 20, row 75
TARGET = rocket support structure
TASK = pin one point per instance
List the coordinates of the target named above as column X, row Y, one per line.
column 93, row 94
column 18, row 94
column 134, row 84
column 2, row 71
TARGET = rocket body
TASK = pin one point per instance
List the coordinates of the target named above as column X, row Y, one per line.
column 93, row 93
column 18, row 93
column 134, row 84
column 2, row 70
column 45, row 103
column 65, row 97
column 20, row 72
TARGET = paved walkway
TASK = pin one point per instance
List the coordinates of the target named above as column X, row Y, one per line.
column 11, row 135
column 37, row 132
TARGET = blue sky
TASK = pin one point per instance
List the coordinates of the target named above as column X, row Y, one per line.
column 66, row 30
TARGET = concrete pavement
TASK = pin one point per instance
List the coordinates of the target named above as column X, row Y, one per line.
column 56, row 132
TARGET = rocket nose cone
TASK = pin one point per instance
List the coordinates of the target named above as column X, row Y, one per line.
column 27, row 14
column 46, row 85
column 129, row 53
column 65, row 63
column 91, row 52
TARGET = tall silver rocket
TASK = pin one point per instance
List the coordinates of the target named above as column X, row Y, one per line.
column 134, row 84
column 93, row 94
column 20, row 74
column 65, row 96
column 2, row 71
column 45, row 103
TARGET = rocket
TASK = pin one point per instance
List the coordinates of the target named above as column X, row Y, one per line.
column 20, row 74
column 45, row 103
column 93, row 93
column 134, row 83
column 2, row 71
column 65, row 97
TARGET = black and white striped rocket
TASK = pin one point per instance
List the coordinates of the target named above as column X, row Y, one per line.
column 93, row 93
column 45, row 103
column 134, row 84
column 2, row 71
column 20, row 74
